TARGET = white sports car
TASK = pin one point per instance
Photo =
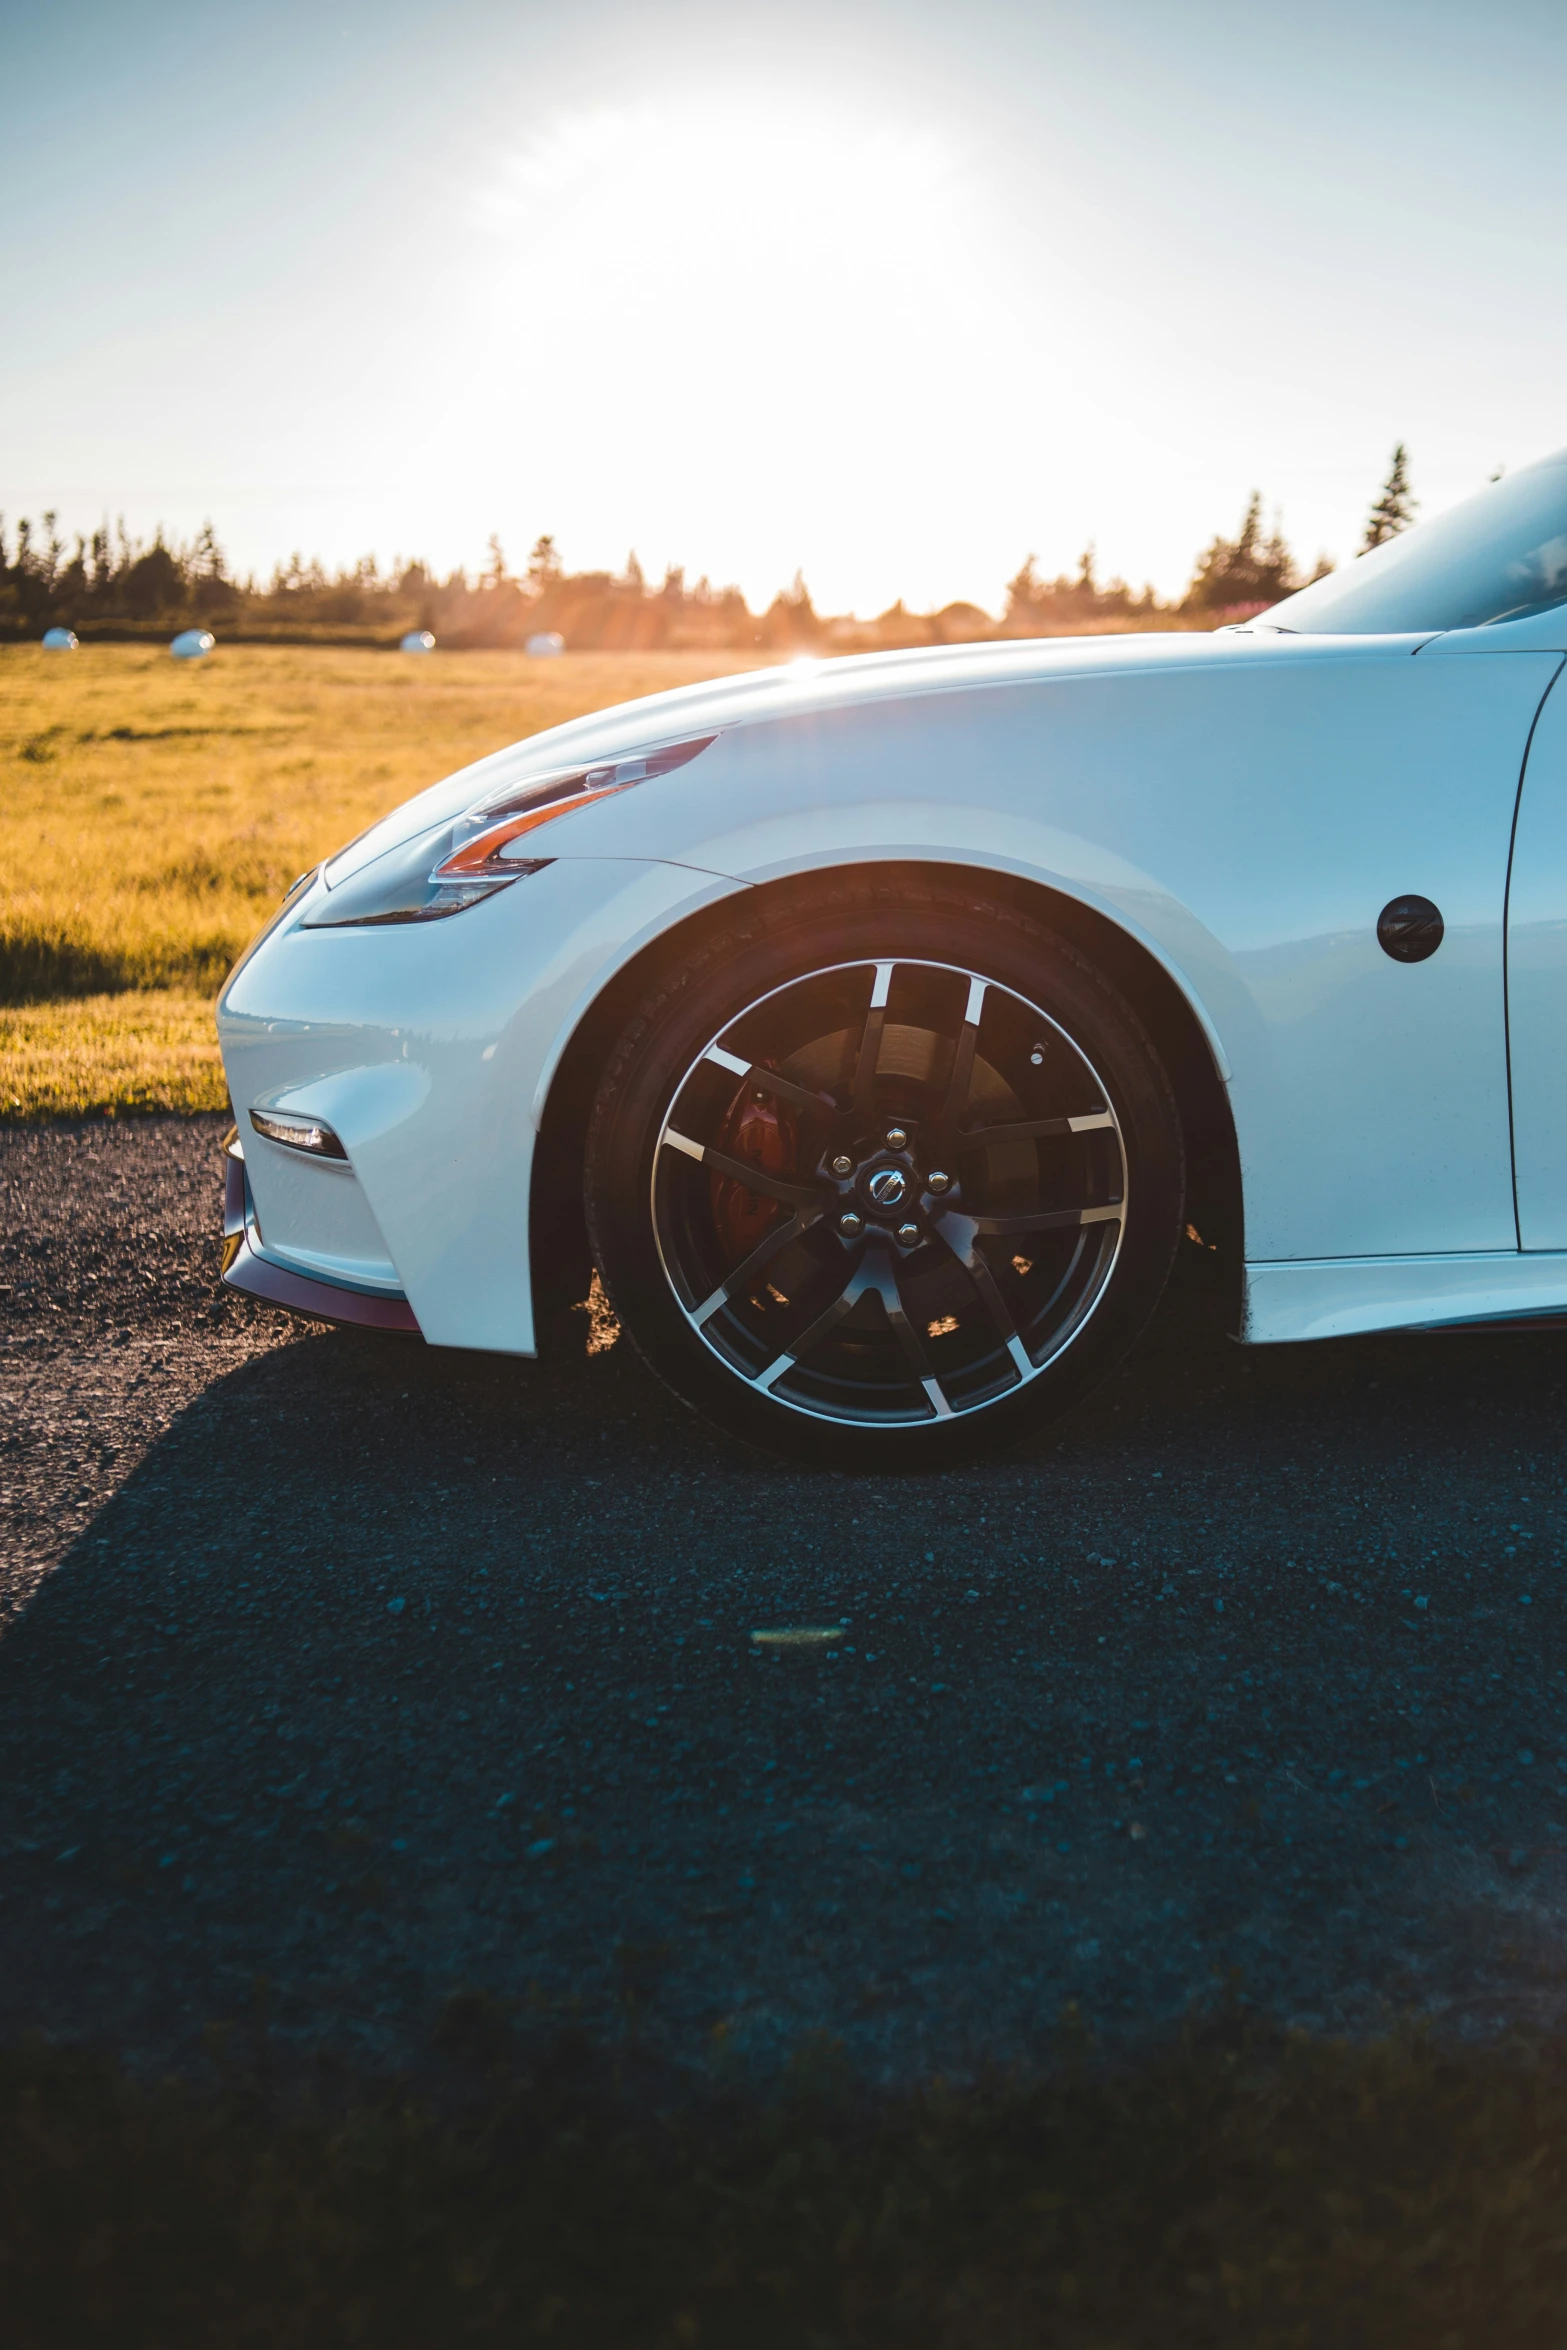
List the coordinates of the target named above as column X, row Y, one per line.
column 877, row 1025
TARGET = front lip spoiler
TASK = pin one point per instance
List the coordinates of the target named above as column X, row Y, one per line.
column 244, row 1268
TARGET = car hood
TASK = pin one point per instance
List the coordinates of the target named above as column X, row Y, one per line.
column 798, row 689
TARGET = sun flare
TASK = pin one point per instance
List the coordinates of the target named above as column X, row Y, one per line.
column 752, row 314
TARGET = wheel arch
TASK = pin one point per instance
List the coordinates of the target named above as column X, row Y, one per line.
column 558, row 1237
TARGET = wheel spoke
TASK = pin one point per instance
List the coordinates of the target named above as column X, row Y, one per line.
column 959, row 1233
column 769, row 1081
column 963, row 1053
column 1033, row 1129
column 875, row 1271
column 1038, row 1220
column 825, row 1324
column 756, row 1179
column 884, row 1279
column 870, row 1039
column 740, row 1280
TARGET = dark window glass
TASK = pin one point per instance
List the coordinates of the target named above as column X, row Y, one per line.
column 1499, row 556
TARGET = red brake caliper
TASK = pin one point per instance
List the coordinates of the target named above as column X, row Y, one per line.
column 759, row 1129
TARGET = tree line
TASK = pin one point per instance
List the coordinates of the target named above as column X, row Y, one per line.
column 110, row 585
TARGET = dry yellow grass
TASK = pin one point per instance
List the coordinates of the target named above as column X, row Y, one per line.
column 152, row 814
column 143, row 1050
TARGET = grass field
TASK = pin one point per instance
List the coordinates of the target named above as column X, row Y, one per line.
column 152, row 814
column 1237, row 2192
column 146, row 1049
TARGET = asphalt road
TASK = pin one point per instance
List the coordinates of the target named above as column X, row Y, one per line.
column 337, row 1673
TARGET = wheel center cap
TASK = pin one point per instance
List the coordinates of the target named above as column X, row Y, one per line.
column 888, row 1187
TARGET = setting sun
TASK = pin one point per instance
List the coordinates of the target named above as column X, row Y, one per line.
column 760, row 329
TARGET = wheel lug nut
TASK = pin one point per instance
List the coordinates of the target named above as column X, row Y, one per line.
column 936, row 1181
column 897, row 1138
column 908, row 1234
column 851, row 1224
column 842, row 1166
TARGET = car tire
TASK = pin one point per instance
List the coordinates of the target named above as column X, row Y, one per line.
column 763, row 1197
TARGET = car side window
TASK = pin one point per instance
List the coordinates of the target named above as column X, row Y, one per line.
column 1501, row 555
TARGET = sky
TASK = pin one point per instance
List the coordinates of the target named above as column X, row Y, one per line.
column 891, row 292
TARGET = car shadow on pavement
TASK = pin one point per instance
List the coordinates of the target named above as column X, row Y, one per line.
column 389, row 1671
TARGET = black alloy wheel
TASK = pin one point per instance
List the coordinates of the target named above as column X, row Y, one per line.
column 879, row 1178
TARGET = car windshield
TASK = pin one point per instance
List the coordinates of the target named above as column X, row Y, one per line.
column 1499, row 556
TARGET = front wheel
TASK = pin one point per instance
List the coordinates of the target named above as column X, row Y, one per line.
column 881, row 1177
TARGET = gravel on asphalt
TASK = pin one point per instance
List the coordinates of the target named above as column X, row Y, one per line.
column 339, row 1672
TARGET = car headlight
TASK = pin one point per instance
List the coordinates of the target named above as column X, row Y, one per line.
column 453, row 866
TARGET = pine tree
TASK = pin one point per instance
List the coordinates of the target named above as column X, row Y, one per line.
column 545, row 568
column 1395, row 507
column 1245, row 572
column 204, row 557
column 1023, row 592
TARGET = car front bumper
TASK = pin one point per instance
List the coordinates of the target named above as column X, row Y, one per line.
column 248, row 1267
column 429, row 1050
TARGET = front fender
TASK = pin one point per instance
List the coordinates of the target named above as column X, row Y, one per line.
column 1244, row 821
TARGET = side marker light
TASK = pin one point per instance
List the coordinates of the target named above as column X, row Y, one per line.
column 298, row 1134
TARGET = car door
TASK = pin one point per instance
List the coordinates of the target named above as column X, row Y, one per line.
column 1537, row 982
